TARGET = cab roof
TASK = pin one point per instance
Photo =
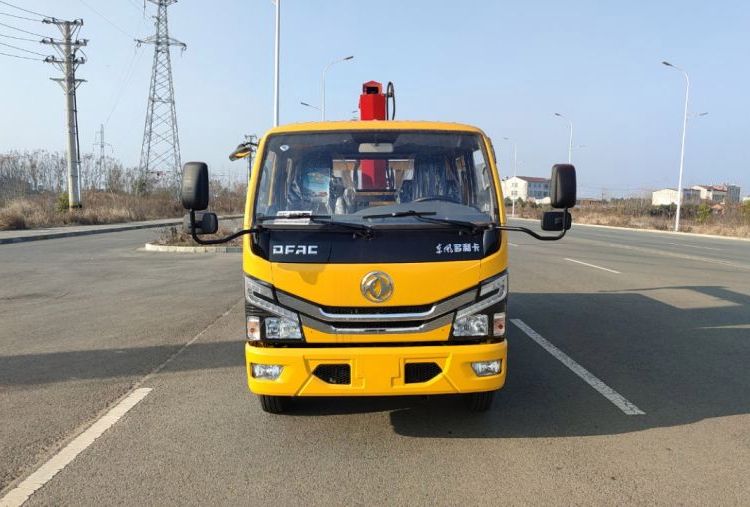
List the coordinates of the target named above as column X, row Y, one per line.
column 328, row 126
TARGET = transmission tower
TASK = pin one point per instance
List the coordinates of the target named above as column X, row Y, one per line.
column 160, row 152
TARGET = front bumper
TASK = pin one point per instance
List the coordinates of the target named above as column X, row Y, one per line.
column 376, row 371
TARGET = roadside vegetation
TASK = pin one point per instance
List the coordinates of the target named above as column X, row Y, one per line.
column 175, row 235
column 33, row 193
column 731, row 220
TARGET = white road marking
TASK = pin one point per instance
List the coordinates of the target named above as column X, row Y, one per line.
column 18, row 495
column 512, row 244
column 616, row 398
column 653, row 251
column 593, row 266
column 696, row 246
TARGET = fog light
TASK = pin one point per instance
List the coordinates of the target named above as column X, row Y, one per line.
column 253, row 328
column 267, row 371
column 471, row 325
column 487, row 368
column 281, row 328
column 498, row 326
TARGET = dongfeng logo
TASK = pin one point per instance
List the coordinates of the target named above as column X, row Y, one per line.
column 377, row 287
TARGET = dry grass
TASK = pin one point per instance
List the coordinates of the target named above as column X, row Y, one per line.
column 733, row 224
column 176, row 236
column 100, row 207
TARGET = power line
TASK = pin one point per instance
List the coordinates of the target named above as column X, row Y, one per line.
column 18, row 17
column 105, row 18
column 22, row 57
column 24, row 10
column 125, row 82
column 18, row 38
column 22, row 30
column 22, row 49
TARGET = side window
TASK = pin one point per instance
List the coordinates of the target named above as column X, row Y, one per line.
column 484, row 180
column 266, row 188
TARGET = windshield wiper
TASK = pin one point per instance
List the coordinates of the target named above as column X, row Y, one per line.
column 408, row 213
column 362, row 230
column 429, row 217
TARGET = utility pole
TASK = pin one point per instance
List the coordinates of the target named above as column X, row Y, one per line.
column 67, row 63
column 160, row 152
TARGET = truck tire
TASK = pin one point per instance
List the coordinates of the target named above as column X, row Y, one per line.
column 273, row 404
column 480, row 402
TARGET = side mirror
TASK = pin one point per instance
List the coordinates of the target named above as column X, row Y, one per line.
column 194, row 191
column 556, row 220
column 205, row 223
column 562, row 190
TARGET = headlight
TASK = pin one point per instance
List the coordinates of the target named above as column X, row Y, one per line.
column 253, row 292
column 284, row 324
column 471, row 325
column 495, row 291
column 282, row 328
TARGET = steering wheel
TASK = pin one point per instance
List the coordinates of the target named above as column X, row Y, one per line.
column 437, row 198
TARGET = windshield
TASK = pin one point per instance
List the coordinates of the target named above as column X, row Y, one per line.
column 351, row 175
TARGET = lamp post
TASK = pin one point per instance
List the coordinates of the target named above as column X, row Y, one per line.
column 309, row 105
column 682, row 147
column 515, row 166
column 276, row 64
column 323, row 85
column 570, row 145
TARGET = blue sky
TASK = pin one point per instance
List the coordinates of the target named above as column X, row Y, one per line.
column 505, row 66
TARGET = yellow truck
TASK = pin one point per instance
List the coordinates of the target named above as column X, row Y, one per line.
column 375, row 259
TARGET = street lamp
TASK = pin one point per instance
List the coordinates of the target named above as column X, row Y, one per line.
column 682, row 147
column 515, row 165
column 309, row 105
column 323, row 85
column 570, row 146
column 276, row 64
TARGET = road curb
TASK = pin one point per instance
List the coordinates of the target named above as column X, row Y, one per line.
column 653, row 231
column 102, row 230
column 153, row 247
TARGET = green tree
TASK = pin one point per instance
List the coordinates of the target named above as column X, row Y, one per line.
column 704, row 213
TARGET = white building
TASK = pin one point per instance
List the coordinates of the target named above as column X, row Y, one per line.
column 526, row 188
column 667, row 196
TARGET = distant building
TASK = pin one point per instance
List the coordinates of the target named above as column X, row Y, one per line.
column 667, row 196
column 724, row 193
column 733, row 193
column 526, row 188
column 711, row 193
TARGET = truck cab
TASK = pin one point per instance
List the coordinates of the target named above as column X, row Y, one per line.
column 375, row 260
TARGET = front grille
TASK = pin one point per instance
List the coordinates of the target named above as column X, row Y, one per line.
column 420, row 372
column 375, row 310
column 334, row 373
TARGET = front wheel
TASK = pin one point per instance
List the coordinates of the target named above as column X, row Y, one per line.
column 480, row 402
column 273, row 404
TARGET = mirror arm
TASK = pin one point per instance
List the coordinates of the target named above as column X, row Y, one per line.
column 220, row 240
column 534, row 234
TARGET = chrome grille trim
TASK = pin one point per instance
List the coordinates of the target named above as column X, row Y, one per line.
column 332, row 329
column 317, row 313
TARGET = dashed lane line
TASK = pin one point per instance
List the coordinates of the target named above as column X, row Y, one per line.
column 593, row 266
column 23, row 491
column 613, row 396
column 18, row 495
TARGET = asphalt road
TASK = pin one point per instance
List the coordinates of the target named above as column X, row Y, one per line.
column 661, row 321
